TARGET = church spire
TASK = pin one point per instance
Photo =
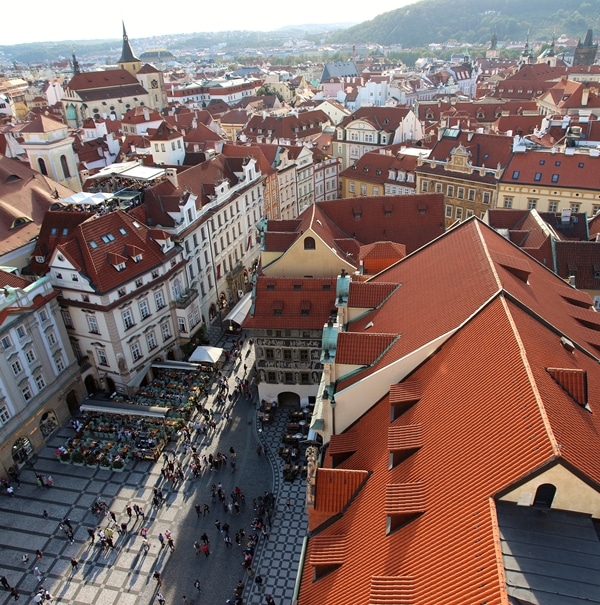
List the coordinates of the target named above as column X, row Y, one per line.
column 76, row 68
column 127, row 55
column 128, row 60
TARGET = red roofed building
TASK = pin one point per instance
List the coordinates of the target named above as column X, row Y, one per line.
column 462, row 448
column 370, row 128
column 117, row 278
column 466, row 167
column 289, row 129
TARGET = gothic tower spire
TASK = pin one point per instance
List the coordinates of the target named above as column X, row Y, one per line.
column 128, row 60
column 76, row 68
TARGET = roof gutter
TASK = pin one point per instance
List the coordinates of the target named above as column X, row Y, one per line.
column 300, row 571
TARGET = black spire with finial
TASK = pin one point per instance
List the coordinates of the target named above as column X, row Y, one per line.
column 76, row 68
column 127, row 55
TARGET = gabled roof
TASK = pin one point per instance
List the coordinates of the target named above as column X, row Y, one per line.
column 425, row 518
column 111, row 78
column 385, row 119
column 580, row 260
column 97, row 242
column 25, row 197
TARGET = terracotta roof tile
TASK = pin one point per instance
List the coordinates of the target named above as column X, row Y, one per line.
column 335, row 488
column 361, row 349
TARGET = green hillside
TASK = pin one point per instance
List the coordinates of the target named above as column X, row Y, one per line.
column 475, row 21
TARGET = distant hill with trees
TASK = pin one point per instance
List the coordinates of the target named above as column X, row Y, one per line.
column 475, row 21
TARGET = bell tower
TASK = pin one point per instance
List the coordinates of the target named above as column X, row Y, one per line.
column 128, row 60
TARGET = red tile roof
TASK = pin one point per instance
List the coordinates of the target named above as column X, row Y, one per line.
column 282, row 302
column 25, row 197
column 97, row 263
column 426, row 522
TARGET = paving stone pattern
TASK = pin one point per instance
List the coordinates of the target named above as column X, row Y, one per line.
column 124, row 575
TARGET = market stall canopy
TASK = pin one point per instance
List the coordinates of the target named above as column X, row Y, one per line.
column 176, row 365
column 235, row 318
column 87, row 198
column 124, row 409
column 206, row 355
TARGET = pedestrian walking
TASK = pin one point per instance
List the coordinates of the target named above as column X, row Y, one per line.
column 198, row 510
column 145, row 545
column 4, row 581
column 38, row 554
column 158, row 578
column 160, row 599
column 270, row 600
column 113, row 516
column 197, row 547
column 161, row 539
column 184, row 600
column 171, row 544
column 197, row 585
column 227, row 540
column 15, row 593
column 206, row 549
column 288, row 504
column 204, row 538
column 129, row 511
column 74, row 564
column 66, row 521
column 205, row 510
column 25, row 558
column 218, row 526
column 45, row 514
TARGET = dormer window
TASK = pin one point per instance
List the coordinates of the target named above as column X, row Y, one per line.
column 137, row 258
column 120, row 266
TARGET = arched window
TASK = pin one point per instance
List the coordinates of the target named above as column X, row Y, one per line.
column 309, row 243
column 544, row 495
column 65, row 166
column 42, row 167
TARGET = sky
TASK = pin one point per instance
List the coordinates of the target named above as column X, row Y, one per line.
column 68, row 20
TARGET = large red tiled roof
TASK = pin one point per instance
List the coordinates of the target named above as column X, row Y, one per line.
column 452, row 287
column 555, row 170
column 480, row 424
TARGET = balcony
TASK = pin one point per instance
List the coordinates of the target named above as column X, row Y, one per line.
column 186, row 298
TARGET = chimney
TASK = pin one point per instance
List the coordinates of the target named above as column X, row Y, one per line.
column 585, row 95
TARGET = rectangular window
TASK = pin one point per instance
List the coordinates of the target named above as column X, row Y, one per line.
column 449, row 211
column 127, row 319
column 40, row 382
column 159, row 299
column 92, row 324
column 30, row 356
column 508, row 202
column 269, row 354
column 531, row 204
column 471, row 195
column 555, row 178
column 575, row 207
column 461, row 193
column 425, row 186
column 487, row 196
column 552, row 206
column 21, row 332
column 59, row 363
column 16, row 366
column 537, row 176
column 102, row 359
column 144, row 309
column 181, row 324
column 165, row 331
column 6, row 342
column 51, row 338
column 4, row 415
column 151, row 341
column 438, row 188
column 43, row 315
column 459, row 213
column 139, row 283
column 363, row 190
column 27, row 394
column 451, row 190
column 287, row 354
column 304, row 356
column 271, row 377
column 136, row 352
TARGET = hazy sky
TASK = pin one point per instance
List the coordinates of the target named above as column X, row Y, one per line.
column 68, row 20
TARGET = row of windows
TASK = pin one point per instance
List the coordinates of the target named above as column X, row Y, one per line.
column 458, row 212
column 287, row 354
column 486, row 196
column 289, row 378
column 532, row 204
column 162, row 146
column 135, row 348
